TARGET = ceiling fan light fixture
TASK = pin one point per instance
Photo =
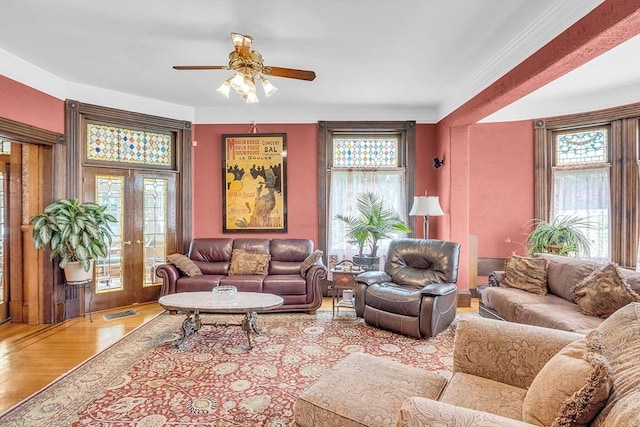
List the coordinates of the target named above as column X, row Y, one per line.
column 252, row 98
column 225, row 88
column 237, row 81
column 269, row 88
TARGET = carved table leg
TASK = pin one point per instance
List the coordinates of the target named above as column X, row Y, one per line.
column 189, row 326
column 250, row 326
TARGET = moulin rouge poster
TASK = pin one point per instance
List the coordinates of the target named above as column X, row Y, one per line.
column 254, row 180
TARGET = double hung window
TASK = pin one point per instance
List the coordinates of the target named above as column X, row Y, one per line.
column 362, row 157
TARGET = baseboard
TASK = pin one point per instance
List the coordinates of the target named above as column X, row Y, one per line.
column 464, row 298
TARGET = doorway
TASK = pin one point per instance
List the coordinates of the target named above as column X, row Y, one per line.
column 143, row 203
column 4, row 237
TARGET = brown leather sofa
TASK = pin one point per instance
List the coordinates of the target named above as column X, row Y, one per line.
column 283, row 278
column 416, row 294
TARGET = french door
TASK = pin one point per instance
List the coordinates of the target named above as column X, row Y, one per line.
column 144, row 203
column 4, row 238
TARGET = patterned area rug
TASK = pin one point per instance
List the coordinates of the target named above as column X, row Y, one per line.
column 215, row 380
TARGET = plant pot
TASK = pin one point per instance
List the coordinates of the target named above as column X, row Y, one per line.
column 367, row 263
column 73, row 272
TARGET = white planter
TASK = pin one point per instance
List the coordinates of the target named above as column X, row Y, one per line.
column 73, row 272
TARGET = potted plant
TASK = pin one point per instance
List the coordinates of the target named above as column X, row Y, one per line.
column 374, row 222
column 563, row 236
column 76, row 232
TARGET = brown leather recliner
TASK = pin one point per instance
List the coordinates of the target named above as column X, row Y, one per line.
column 416, row 294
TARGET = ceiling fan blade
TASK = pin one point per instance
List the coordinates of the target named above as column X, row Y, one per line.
column 290, row 73
column 200, row 67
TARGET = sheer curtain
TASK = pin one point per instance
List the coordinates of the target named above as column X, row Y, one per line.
column 344, row 190
column 585, row 193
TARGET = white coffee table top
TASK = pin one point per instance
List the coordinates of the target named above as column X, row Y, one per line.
column 206, row 302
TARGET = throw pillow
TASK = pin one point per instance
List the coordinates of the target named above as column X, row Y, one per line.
column 528, row 274
column 309, row 261
column 603, row 292
column 184, row 264
column 571, row 388
column 244, row 262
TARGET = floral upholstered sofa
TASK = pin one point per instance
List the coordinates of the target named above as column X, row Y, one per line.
column 558, row 292
column 504, row 374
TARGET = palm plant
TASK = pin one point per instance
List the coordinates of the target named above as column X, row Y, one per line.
column 74, row 231
column 563, row 236
column 374, row 222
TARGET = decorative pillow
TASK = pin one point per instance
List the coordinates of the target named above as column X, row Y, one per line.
column 184, row 264
column 244, row 262
column 309, row 261
column 571, row 388
column 603, row 292
column 528, row 274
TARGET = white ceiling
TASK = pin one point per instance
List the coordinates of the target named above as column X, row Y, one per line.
column 374, row 59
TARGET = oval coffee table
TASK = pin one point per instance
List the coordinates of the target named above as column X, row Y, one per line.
column 194, row 303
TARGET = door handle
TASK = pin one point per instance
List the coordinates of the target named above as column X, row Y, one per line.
column 128, row 242
column 139, row 242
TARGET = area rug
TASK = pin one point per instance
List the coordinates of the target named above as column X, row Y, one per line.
column 216, row 380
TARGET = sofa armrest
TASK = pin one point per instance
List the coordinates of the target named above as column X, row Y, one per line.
column 371, row 277
column 437, row 289
column 495, row 278
column 422, row 412
column 169, row 274
column 314, row 277
column 510, row 353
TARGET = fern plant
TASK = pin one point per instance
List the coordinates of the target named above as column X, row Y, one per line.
column 74, row 231
column 563, row 236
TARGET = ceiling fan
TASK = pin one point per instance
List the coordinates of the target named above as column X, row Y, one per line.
column 248, row 65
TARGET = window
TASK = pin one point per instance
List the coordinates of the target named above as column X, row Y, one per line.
column 587, row 164
column 361, row 157
column 580, row 185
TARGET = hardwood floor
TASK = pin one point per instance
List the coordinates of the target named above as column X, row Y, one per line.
column 33, row 356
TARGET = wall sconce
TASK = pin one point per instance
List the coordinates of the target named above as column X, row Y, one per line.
column 437, row 163
column 426, row 206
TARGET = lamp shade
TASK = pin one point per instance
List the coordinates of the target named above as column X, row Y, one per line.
column 426, row 206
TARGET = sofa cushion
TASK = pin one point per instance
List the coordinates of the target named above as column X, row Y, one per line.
column 571, row 388
column 245, row 263
column 564, row 272
column 603, row 292
column 528, row 274
column 482, row 394
column 309, row 261
column 184, row 264
column 620, row 335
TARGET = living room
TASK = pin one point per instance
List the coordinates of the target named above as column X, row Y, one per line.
column 483, row 191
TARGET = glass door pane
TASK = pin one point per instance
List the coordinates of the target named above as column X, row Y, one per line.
column 154, row 227
column 110, row 192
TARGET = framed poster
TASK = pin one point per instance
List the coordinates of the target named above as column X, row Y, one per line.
column 255, row 182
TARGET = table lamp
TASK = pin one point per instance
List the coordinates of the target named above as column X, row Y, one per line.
column 426, row 206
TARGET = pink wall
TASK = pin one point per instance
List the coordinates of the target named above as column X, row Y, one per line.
column 501, row 194
column 302, row 179
column 30, row 106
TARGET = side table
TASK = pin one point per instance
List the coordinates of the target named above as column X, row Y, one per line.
column 72, row 291
column 343, row 280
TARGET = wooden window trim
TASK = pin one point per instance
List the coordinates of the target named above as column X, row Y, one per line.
column 327, row 129
column 624, row 153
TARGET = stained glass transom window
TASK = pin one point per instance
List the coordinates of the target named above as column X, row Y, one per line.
column 117, row 144
column 364, row 152
column 5, row 146
column 581, row 147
